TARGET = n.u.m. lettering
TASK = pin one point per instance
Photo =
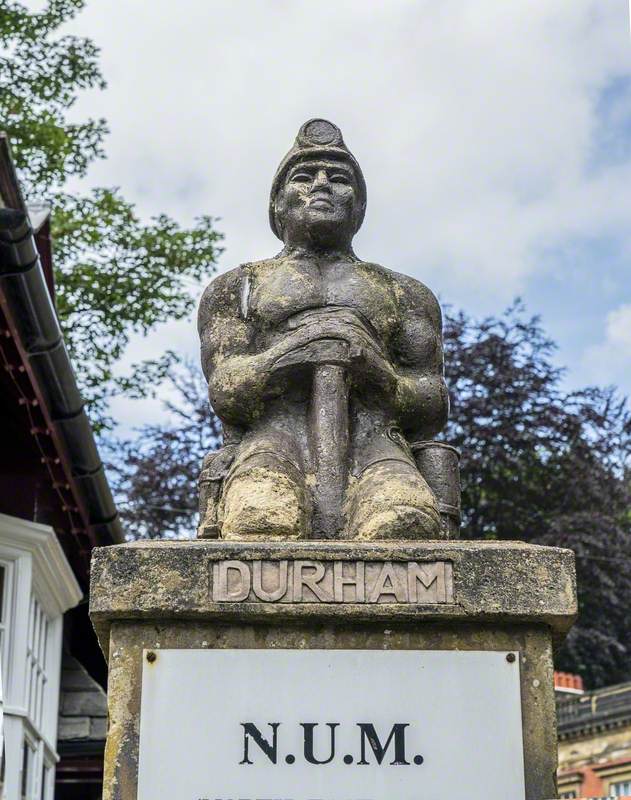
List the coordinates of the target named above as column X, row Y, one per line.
column 319, row 745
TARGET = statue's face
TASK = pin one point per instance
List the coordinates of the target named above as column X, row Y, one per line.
column 318, row 202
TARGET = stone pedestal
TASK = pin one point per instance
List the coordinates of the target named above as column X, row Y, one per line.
column 399, row 596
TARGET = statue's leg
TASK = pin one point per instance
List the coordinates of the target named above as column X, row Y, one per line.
column 389, row 498
column 264, row 495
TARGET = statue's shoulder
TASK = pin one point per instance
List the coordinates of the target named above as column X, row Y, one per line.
column 258, row 270
column 226, row 291
column 412, row 293
column 222, row 292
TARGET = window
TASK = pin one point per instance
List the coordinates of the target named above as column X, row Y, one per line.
column 5, row 613
column 46, row 789
column 620, row 789
column 37, row 677
column 36, row 587
column 572, row 793
column 29, row 756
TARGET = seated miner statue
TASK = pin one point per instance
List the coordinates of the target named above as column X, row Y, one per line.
column 324, row 370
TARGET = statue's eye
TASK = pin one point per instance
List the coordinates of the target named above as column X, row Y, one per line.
column 339, row 177
column 302, row 177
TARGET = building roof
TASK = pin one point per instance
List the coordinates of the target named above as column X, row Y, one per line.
column 82, row 710
column 594, row 712
column 33, row 354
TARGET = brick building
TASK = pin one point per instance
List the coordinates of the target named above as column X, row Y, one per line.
column 594, row 730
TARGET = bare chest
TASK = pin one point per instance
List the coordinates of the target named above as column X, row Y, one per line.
column 288, row 288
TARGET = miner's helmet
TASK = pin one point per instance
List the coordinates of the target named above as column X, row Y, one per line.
column 317, row 138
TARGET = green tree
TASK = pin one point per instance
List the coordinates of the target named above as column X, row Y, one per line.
column 547, row 466
column 115, row 274
column 155, row 473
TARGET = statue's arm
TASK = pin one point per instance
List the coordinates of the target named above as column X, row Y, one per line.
column 235, row 376
column 422, row 397
column 240, row 376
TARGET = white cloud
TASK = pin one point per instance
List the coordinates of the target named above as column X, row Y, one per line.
column 609, row 361
column 473, row 120
column 619, row 328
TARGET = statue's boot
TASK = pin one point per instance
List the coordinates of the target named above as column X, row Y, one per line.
column 391, row 500
column 264, row 496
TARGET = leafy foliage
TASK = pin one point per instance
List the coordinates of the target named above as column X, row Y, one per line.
column 115, row 275
column 539, row 464
column 40, row 76
column 546, row 466
column 156, row 473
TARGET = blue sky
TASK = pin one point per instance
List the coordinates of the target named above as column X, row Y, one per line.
column 495, row 139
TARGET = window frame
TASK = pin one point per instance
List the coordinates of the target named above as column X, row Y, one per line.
column 7, row 602
column 29, row 744
column 47, row 779
column 619, row 781
column 39, row 573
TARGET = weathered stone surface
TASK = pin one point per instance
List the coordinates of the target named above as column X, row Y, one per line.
column 499, row 582
column 327, row 374
column 502, row 596
column 129, row 638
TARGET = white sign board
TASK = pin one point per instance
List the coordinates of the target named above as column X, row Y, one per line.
column 330, row 725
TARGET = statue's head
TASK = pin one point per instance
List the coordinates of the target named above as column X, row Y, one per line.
column 318, row 193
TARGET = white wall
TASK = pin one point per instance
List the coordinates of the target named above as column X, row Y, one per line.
column 39, row 587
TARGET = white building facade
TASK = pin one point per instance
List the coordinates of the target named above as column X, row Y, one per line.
column 37, row 586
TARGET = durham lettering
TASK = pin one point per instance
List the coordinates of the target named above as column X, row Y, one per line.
column 308, row 574
column 233, row 581
column 336, row 581
column 273, row 595
column 357, row 581
column 389, row 582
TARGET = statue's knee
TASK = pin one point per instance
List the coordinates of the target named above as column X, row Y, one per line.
column 391, row 500
column 264, row 497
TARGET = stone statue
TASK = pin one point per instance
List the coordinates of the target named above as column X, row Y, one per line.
column 326, row 372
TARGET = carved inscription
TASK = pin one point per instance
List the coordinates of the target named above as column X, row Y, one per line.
column 302, row 581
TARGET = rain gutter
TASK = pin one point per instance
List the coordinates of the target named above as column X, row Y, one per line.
column 34, row 326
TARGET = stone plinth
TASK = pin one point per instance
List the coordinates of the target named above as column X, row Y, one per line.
column 427, row 596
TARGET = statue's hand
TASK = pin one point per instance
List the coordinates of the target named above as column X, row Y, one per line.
column 332, row 339
column 320, row 351
column 324, row 341
column 370, row 367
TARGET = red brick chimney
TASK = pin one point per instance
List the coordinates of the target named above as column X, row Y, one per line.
column 568, row 683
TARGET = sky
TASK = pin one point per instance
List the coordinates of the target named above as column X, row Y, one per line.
column 495, row 139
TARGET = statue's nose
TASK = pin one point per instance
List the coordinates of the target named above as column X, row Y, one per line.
column 320, row 181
